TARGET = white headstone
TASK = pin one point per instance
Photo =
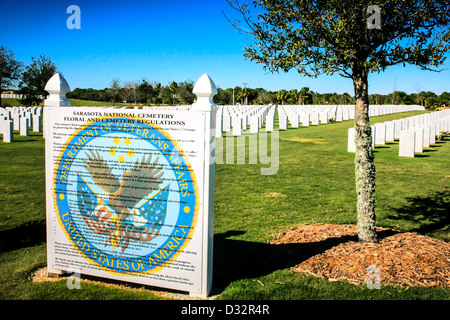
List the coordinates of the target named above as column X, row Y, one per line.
column 294, row 120
column 37, row 123
column 380, row 130
column 315, row 118
column 390, row 135
column 270, row 120
column 323, row 117
column 219, row 125
column 345, row 114
column 407, row 143
column 17, row 122
column 237, row 126
column 24, row 127
column 305, row 119
column 426, row 135
column 282, row 121
column 397, row 128
column 339, row 115
column 8, row 135
column 351, row 147
column 226, row 122
column 374, row 130
column 254, row 124
column 418, row 140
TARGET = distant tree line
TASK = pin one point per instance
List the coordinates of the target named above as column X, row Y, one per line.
column 305, row 96
column 139, row 92
column 31, row 80
column 153, row 93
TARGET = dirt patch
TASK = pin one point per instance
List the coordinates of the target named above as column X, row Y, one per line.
column 401, row 258
column 274, row 195
column 42, row 275
column 315, row 141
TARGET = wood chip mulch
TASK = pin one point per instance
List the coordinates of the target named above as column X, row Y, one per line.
column 402, row 258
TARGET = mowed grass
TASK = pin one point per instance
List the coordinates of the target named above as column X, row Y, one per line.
column 314, row 184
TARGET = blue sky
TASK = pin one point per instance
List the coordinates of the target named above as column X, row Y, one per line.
column 166, row 41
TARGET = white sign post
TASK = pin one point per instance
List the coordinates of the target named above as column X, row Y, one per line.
column 130, row 193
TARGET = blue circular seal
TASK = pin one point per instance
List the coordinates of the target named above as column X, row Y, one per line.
column 125, row 195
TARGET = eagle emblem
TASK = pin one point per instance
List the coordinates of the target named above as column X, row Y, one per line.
column 131, row 208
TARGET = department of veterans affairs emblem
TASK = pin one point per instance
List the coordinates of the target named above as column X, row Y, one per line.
column 125, row 195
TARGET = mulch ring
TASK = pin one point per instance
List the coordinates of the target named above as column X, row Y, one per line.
column 401, row 258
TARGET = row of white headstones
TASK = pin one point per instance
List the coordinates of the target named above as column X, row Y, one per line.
column 232, row 119
column 235, row 119
column 20, row 119
column 414, row 133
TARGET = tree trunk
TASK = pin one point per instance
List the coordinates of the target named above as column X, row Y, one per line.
column 364, row 164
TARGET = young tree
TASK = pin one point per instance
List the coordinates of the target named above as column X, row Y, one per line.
column 10, row 70
column 352, row 38
column 173, row 86
column 145, row 92
column 184, row 92
column 282, row 96
column 34, row 79
column 114, row 89
column 305, row 96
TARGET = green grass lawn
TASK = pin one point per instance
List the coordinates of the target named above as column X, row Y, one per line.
column 314, row 184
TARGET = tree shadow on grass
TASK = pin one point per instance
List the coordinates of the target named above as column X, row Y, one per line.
column 26, row 235
column 431, row 213
column 236, row 259
column 24, row 140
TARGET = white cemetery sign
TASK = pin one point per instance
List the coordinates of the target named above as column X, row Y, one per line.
column 130, row 193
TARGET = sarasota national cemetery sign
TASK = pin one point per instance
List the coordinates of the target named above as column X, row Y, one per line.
column 127, row 196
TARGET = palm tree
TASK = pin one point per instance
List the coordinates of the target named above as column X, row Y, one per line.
column 282, row 95
column 294, row 95
column 244, row 95
column 304, row 94
column 173, row 89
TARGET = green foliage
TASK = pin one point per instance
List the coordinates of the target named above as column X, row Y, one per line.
column 34, row 79
column 10, row 70
column 139, row 92
column 223, row 97
column 90, row 94
column 324, row 37
column 184, row 92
